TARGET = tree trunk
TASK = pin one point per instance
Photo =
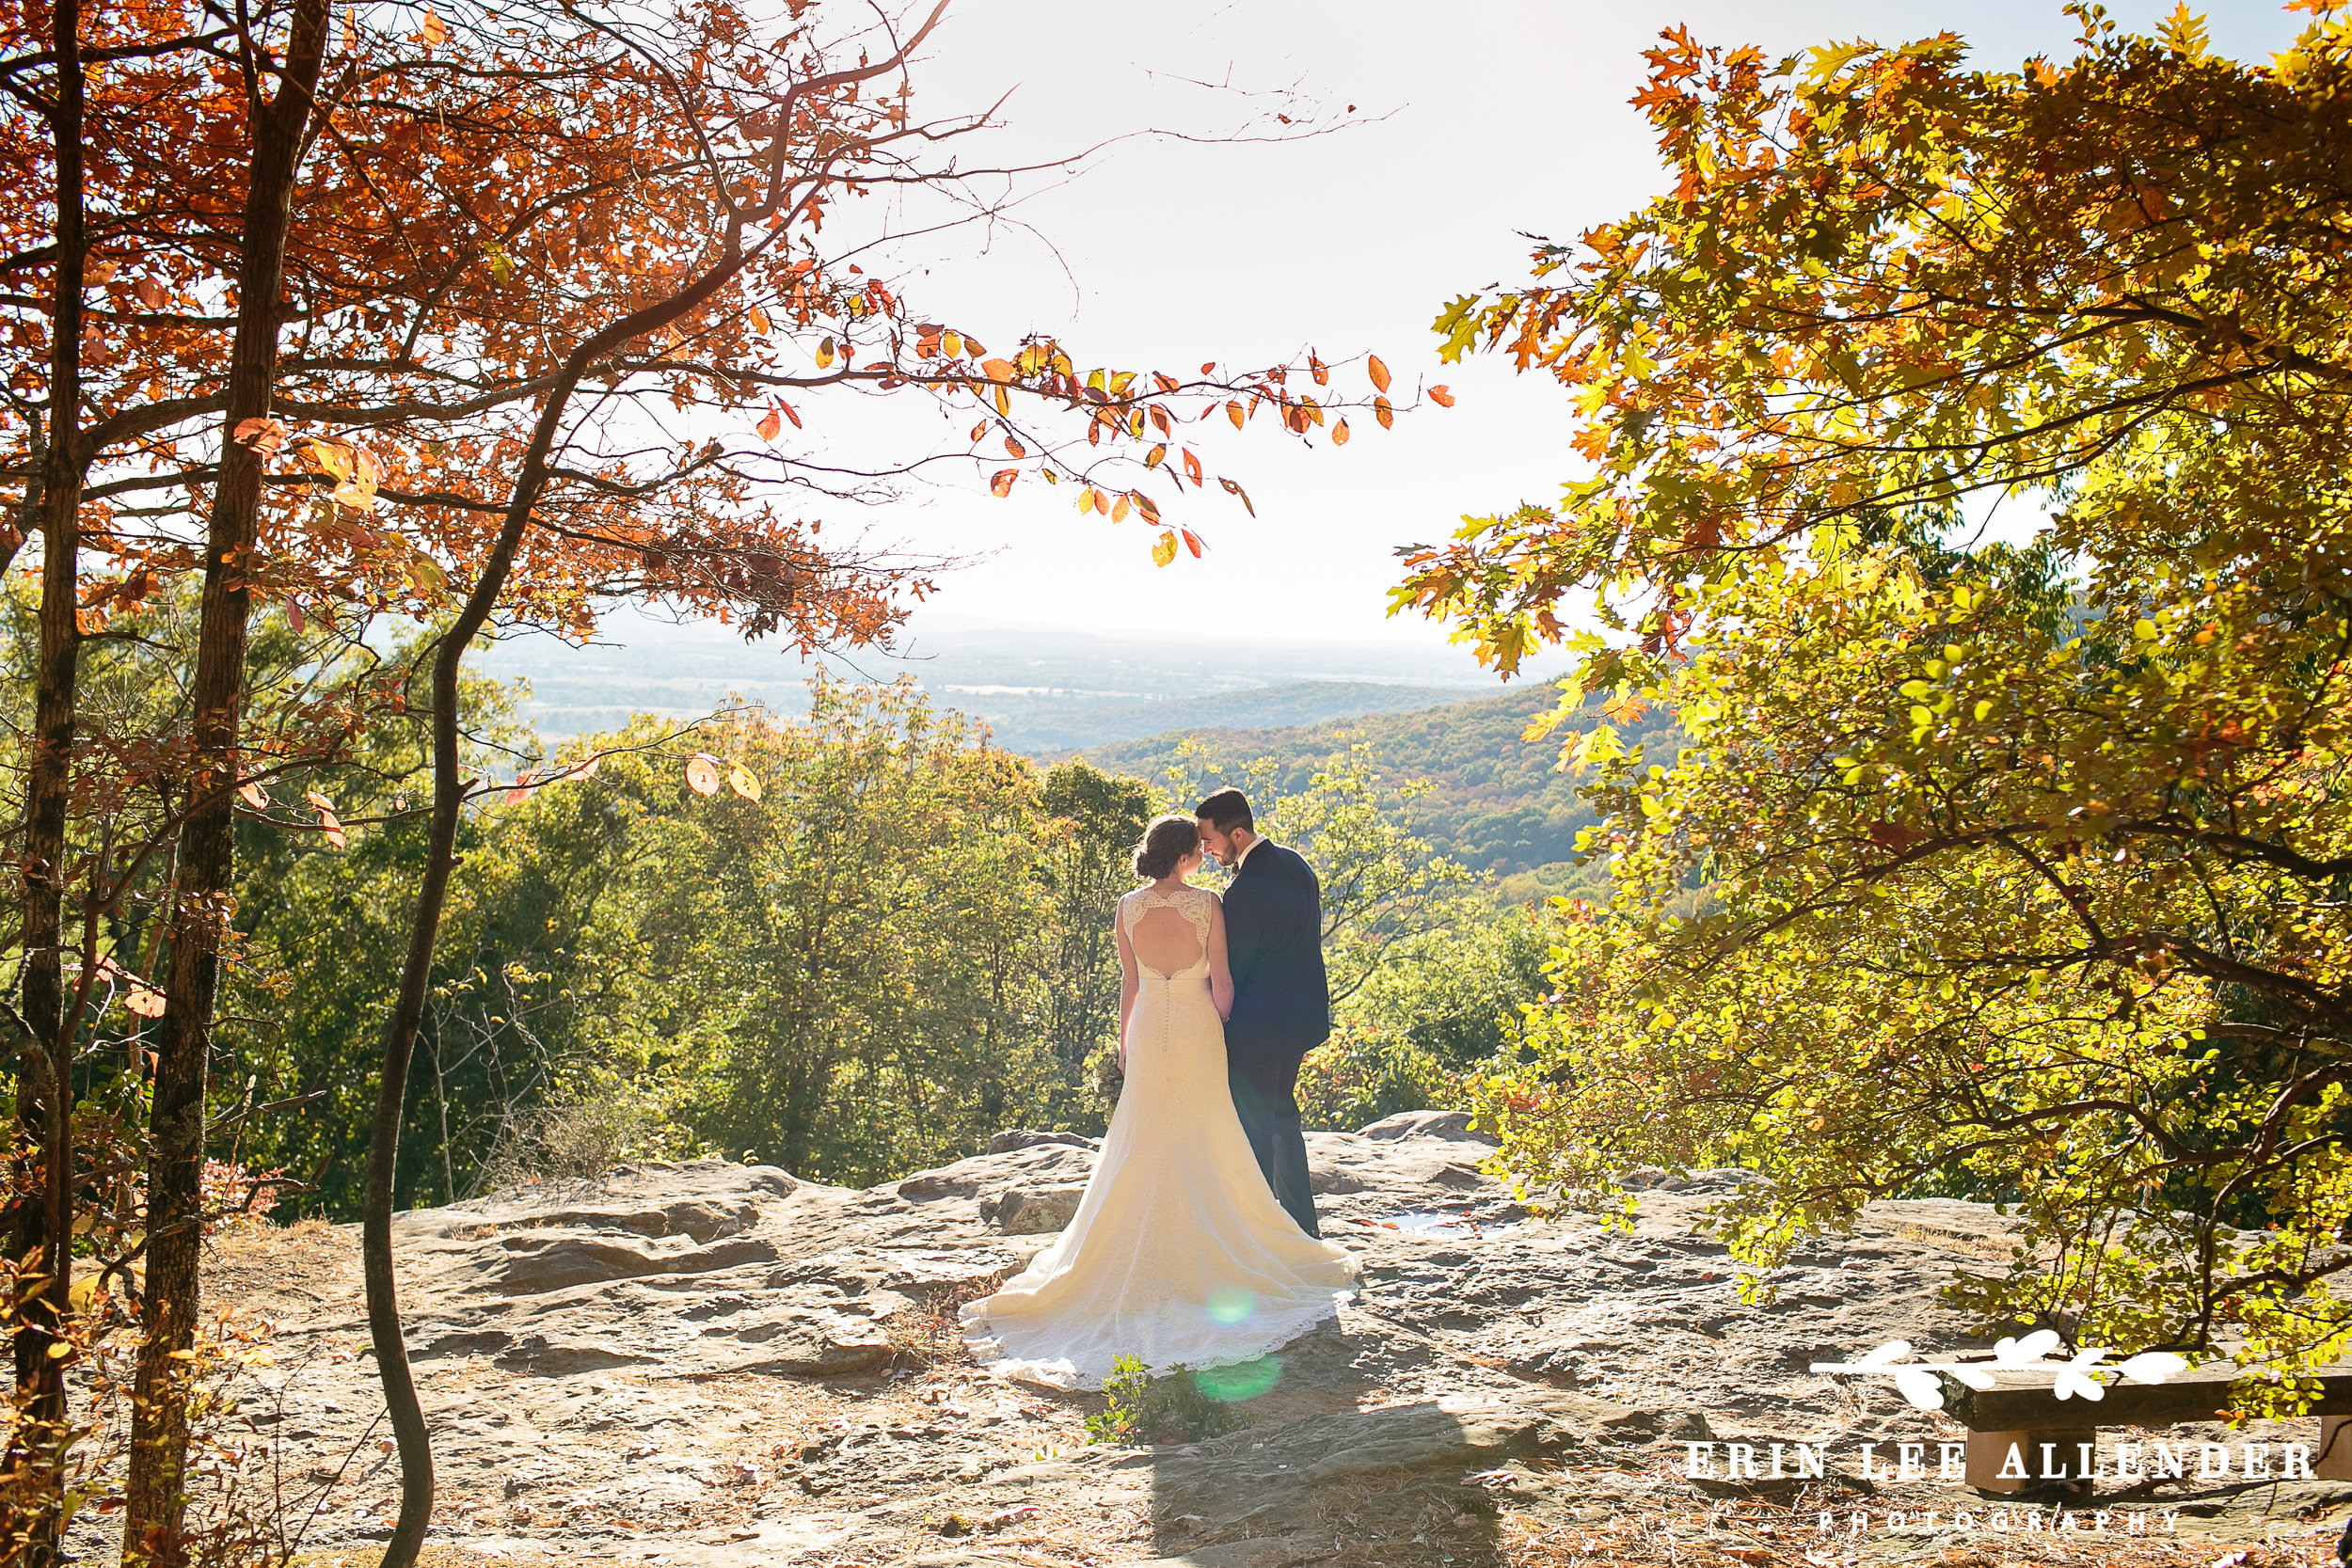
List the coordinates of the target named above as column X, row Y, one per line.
column 44, row 1222
column 203, row 901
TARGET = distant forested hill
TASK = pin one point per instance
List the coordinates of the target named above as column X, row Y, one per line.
column 1496, row 803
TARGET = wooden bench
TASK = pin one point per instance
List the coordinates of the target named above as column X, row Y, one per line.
column 2010, row 1423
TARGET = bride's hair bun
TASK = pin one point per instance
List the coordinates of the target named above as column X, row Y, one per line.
column 1165, row 843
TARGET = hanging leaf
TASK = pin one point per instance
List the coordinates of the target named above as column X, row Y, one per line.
column 1001, row 486
column 150, row 293
column 264, row 435
column 952, row 343
column 702, row 773
column 1004, row 402
column 1233, row 489
column 759, row 321
column 1234, row 412
column 1014, row 449
column 425, row 576
column 824, row 354
column 353, row 468
column 1339, row 434
column 1148, row 509
column 254, row 795
column 1086, row 501
column 769, row 426
column 1101, row 501
column 1442, row 398
column 1157, row 455
column 436, row 31
column 332, row 824
column 293, row 616
column 791, row 414
column 998, row 371
column 1318, row 370
column 743, row 782
column 1192, row 467
column 586, row 767
column 1379, row 373
column 144, row 1000
column 1385, row 414
column 1164, row 550
column 1118, row 509
column 978, row 431
column 1192, row 542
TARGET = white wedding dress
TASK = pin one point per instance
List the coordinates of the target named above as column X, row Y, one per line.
column 1179, row 1252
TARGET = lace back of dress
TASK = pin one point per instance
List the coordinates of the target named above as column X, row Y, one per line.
column 1192, row 904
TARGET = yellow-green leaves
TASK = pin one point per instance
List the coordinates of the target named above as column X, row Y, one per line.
column 353, row 468
column 2184, row 32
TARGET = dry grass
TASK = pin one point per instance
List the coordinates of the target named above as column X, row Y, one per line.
column 259, row 1266
column 932, row 1335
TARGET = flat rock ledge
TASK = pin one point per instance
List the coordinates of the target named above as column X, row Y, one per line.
column 710, row 1365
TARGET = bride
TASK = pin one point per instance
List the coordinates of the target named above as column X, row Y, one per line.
column 1179, row 1252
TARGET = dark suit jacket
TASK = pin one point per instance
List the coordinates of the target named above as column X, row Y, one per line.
column 1274, row 944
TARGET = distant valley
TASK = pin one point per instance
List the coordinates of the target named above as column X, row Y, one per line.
column 1044, row 694
column 1496, row 803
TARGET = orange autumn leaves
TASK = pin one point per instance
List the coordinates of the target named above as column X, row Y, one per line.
column 1122, row 406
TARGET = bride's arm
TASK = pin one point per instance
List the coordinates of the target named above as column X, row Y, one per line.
column 1220, row 972
column 1126, row 984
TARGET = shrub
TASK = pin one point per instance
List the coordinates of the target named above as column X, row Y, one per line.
column 1140, row 1408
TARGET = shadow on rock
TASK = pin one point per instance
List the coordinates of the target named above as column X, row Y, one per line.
column 1420, row 1478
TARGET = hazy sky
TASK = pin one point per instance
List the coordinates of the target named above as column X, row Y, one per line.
column 1483, row 118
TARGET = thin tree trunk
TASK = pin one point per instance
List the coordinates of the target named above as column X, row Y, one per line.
column 449, row 799
column 203, row 901
column 44, row 1222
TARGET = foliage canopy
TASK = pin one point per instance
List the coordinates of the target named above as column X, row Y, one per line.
column 2027, row 861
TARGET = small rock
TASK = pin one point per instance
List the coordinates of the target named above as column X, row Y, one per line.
column 1450, row 1125
column 1034, row 1211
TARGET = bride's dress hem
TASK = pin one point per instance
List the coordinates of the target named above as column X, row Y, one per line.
column 1062, row 1374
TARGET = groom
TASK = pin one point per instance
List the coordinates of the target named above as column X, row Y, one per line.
column 1281, row 1002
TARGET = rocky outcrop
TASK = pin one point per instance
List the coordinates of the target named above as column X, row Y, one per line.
column 708, row 1364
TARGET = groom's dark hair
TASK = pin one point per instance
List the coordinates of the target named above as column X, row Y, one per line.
column 1226, row 810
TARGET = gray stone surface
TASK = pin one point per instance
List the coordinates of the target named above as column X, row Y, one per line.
column 1034, row 1211
column 1454, row 1126
column 706, row 1365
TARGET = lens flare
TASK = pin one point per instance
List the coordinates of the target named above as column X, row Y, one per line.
column 1231, row 1304
column 1232, row 1384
